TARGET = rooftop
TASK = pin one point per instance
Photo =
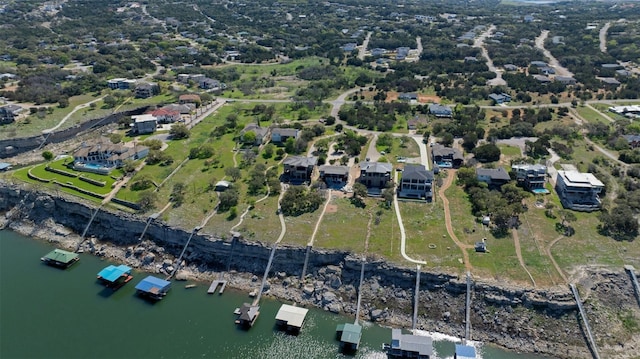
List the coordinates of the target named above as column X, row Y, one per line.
column 376, row 167
column 465, row 352
column 300, row 161
column 578, row 179
column 293, row 316
column 112, row 273
column 422, row 345
column 61, row 256
column 351, row 333
column 153, row 285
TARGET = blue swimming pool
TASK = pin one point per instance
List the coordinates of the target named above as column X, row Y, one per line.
column 539, row 191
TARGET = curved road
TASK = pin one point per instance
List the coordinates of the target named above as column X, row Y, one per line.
column 553, row 62
column 603, row 37
column 479, row 42
column 65, row 118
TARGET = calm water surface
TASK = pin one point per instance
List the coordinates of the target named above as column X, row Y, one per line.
column 50, row 313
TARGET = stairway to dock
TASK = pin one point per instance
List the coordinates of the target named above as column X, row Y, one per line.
column 266, row 274
column 416, row 297
column 182, row 253
column 467, row 326
column 583, row 314
column 634, row 280
column 86, row 229
column 306, row 262
column 364, row 260
column 151, row 218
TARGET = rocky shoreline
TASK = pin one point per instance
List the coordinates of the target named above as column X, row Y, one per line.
column 526, row 320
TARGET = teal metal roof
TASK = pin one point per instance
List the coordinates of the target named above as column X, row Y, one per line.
column 112, row 273
column 351, row 333
column 61, row 256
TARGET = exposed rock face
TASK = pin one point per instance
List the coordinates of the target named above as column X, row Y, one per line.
column 537, row 320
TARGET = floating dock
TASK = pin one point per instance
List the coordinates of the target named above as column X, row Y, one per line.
column 115, row 277
column 247, row 315
column 349, row 336
column 214, row 285
column 60, row 258
column 291, row 318
column 153, row 287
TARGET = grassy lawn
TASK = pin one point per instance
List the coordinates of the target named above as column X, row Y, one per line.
column 262, row 223
column 344, row 226
column 590, row 115
column 385, row 235
column 510, row 151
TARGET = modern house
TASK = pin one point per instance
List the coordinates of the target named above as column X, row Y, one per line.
column 410, row 346
column 440, row 110
column 147, row 89
column 630, row 111
column 60, row 258
column 465, row 352
column 500, row 98
column 105, row 154
column 494, row 177
column 375, row 175
column 144, row 124
column 547, row 70
column 115, row 276
column 280, row 135
column 290, row 318
column 9, row 113
column 121, row 84
column 416, row 182
column 510, row 67
column 166, row 115
column 299, row 169
column 261, row 133
column 349, row 336
column 531, row 177
column 446, row 157
column 334, row 176
column 153, row 288
column 579, row 191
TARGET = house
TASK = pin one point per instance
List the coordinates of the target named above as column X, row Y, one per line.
column 261, row 133
column 531, row 177
column 410, row 346
column 611, row 66
column 377, row 52
column 8, row 76
column 402, row 52
column 349, row 336
column 121, row 84
column 334, row 175
column 375, row 175
column 147, row 89
column 464, row 352
column 153, row 287
column 494, row 177
column 349, row 47
column 144, row 124
column 211, row 84
column 500, row 98
column 468, row 59
column 446, row 157
column 510, row 67
column 624, row 73
column 291, row 318
column 542, row 79
column 107, row 154
column 630, row 111
column 567, row 80
column 281, row 135
column 481, row 246
column 538, row 64
column 440, row 110
column 547, row 70
column 610, row 81
column 411, row 97
column 632, row 140
column 9, row 113
column 166, row 115
column 299, row 168
column 184, row 109
column 579, row 191
column 416, row 182
column 189, row 98
column 222, row 186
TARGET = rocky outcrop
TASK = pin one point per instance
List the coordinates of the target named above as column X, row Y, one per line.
column 536, row 320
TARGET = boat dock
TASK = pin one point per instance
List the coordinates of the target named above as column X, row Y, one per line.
column 214, row 285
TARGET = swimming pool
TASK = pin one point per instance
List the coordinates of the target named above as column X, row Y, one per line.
column 539, row 191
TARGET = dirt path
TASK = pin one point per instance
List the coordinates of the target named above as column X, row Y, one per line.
column 324, row 210
column 603, row 37
column 447, row 219
column 553, row 62
column 516, row 242
column 553, row 260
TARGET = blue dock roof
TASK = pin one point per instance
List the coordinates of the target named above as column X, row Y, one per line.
column 153, row 285
column 112, row 273
column 465, row 351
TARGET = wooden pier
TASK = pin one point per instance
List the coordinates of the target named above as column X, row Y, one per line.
column 214, row 285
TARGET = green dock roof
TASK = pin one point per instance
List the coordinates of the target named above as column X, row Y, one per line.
column 61, row 256
column 351, row 333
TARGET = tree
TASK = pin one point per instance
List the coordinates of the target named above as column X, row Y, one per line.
column 110, row 101
column 487, row 153
column 142, row 183
column 567, row 216
column 115, row 137
column 619, row 223
column 249, row 138
column 147, row 200
column 300, row 199
column 387, row 195
column 233, row 172
column 359, row 192
column 63, row 102
column 177, row 194
column 179, row 131
column 228, row 199
column 47, row 155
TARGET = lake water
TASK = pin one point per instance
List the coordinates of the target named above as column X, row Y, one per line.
column 51, row 313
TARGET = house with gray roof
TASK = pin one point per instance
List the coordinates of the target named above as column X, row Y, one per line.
column 280, row 135
column 531, row 177
column 610, row 81
column 542, row 79
column 538, row 64
column 510, row 67
column 440, row 110
column 416, row 182
column 632, row 140
column 579, row 191
column 260, row 132
column 500, row 98
column 9, row 113
column 446, row 157
column 299, row 169
column 567, row 80
column 494, row 177
column 410, row 346
column 334, row 176
column 375, row 175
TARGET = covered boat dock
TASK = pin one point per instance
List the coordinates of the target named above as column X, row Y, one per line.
column 60, row 258
column 115, row 276
column 247, row 315
column 153, row 287
column 465, row 352
column 349, row 336
column 291, row 318
column 410, row 346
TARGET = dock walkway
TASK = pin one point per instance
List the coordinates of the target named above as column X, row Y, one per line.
column 214, row 285
column 583, row 314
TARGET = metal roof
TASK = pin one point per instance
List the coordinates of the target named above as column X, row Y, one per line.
column 417, row 172
column 4, row 165
column 334, row 170
column 153, row 285
column 423, row 345
column 112, row 273
column 465, row 352
column 351, row 333
column 61, row 256
column 293, row 316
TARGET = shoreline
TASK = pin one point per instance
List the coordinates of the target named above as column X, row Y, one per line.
column 519, row 319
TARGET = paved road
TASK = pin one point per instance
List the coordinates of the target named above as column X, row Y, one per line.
column 603, row 37
column 553, row 62
column 479, row 42
column 372, row 152
column 65, row 118
column 363, row 49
